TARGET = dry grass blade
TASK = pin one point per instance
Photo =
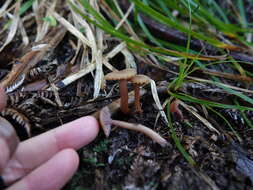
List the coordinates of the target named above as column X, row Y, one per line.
column 109, row 66
column 38, row 14
column 99, row 77
column 129, row 58
column 126, row 25
column 99, row 74
column 203, row 120
column 225, row 85
column 73, row 30
column 30, row 59
column 156, row 99
column 73, row 77
column 43, row 27
column 117, row 49
column 14, row 26
column 125, row 16
column 56, row 94
column 81, row 23
column 4, row 7
column 229, row 76
column 25, row 38
column 200, row 79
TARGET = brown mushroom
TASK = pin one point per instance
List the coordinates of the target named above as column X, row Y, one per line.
column 106, row 122
column 138, row 81
column 122, row 76
column 174, row 109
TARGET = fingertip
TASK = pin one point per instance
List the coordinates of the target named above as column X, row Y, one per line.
column 92, row 124
column 53, row 174
column 4, row 156
column 77, row 133
column 71, row 158
column 89, row 126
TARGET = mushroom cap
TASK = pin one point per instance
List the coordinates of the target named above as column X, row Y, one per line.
column 105, row 120
column 140, row 79
column 120, row 75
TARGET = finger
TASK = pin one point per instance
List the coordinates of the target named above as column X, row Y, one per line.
column 52, row 175
column 5, row 154
column 8, row 141
column 5, row 133
column 3, row 98
column 33, row 152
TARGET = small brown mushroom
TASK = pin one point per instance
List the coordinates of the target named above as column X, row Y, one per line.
column 106, row 121
column 138, row 81
column 122, row 76
column 174, row 109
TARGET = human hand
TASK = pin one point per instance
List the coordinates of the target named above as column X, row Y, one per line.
column 47, row 161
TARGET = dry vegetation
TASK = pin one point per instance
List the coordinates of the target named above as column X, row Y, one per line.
column 198, row 57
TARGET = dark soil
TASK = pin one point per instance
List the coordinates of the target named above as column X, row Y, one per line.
column 128, row 160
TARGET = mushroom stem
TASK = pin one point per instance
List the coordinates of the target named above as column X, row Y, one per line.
column 115, row 105
column 138, row 81
column 106, row 121
column 143, row 129
column 137, row 103
column 123, row 96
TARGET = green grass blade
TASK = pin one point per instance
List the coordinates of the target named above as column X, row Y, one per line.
column 167, row 21
column 219, row 10
column 137, row 44
column 242, row 19
column 246, row 119
column 210, row 18
column 234, row 92
column 146, row 31
column 226, row 121
column 165, row 9
column 25, row 6
column 91, row 10
column 177, row 141
column 208, row 103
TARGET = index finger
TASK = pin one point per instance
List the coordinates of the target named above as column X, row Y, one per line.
column 8, row 137
column 35, row 151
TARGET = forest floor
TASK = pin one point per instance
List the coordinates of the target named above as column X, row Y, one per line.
column 198, row 56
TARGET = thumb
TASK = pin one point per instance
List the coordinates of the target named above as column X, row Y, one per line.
column 8, row 142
